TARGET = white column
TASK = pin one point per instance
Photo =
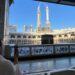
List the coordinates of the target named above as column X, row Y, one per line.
column 6, row 22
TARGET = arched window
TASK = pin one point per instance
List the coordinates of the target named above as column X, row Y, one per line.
column 59, row 35
column 12, row 36
column 24, row 36
column 65, row 35
column 18, row 36
column 72, row 34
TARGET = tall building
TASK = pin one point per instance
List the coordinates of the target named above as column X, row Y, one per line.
column 12, row 29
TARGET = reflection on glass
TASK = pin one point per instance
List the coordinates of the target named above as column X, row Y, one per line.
column 47, row 64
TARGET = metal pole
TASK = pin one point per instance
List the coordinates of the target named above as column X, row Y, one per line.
column 0, row 47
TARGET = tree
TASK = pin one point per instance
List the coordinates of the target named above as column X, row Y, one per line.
column 11, row 1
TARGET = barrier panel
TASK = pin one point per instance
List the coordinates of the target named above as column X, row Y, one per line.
column 72, row 48
column 61, row 49
column 49, row 49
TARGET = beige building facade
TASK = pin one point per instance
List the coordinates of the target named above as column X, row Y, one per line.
column 31, row 37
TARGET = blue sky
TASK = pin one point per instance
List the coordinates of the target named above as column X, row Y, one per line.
column 24, row 12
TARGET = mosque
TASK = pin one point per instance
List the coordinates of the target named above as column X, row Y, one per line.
column 42, row 35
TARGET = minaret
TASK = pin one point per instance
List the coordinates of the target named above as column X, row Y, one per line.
column 24, row 28
column 38, row 20
column 31, row 29
column 47, row 19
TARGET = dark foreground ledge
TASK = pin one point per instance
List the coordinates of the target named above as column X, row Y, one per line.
column 42, row 57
